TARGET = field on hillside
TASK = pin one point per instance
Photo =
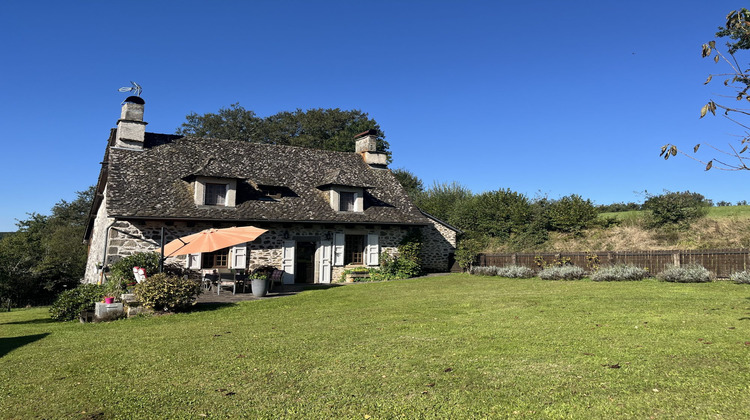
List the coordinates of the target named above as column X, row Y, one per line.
column 723, row 228
column 713, row 213
column 441, row 347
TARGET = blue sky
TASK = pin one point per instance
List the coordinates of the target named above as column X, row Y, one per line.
column 542, row 97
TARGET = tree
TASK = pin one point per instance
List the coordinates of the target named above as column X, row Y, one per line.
column 738, row 78
column 675, row 209
column 571, row 214
column 46, row 255
column 444, row 201
column 329, row 129
column 496, row 214
column 411, row 183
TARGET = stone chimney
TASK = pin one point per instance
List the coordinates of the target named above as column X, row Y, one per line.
column 131, row 130
column 367, row 146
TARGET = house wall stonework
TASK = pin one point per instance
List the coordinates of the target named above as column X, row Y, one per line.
column 96, row 244
column 439, row 242
column 130, row 237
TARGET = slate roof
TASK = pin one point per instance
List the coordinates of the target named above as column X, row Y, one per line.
column 157, row 182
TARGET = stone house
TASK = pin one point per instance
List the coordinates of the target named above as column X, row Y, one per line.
column 325, row 211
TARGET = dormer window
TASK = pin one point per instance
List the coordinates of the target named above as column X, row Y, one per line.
column 347, row 199
column 215, row 194
column 213, row 191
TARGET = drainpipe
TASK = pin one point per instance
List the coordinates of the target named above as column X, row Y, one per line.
column 104, row 257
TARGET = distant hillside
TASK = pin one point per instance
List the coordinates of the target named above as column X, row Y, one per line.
column 723, row 227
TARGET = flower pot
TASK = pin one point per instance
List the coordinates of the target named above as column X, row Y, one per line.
column 259, row 287
column 109, row 300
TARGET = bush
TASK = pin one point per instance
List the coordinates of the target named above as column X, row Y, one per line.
column 691, row 273
column 565, row 272
column 408, row 262
column 122, row 270
column 742, row 277
column 484, row 271
column 571, row 214
column 675, row 208
column 621, row 272
column 515, row 272
column 71, row 303
column 168, row 293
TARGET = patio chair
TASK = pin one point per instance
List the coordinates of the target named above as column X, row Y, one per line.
column 275, row 277
column 139, row 274
column 240, row 280
column 226, row 279
column 208, row 280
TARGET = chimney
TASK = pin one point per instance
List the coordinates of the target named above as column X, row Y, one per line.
column 131, row 130
column 367, row 146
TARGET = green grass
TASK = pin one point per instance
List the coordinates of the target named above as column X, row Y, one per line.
column 443, row 347
column 713, row 213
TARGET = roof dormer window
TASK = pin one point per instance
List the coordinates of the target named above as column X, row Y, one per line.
column 214, row 191
column 347, row 199
column 215, row 194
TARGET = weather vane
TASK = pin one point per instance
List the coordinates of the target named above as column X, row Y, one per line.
column 134, row 88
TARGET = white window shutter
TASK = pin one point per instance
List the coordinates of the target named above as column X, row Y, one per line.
column 239, row 256
column 338, row 249
column 325, row 261
column 287, row 261
column 373, row 249
column 358, row 201
column 193, row 261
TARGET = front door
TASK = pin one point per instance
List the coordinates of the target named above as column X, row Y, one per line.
column 304, row 268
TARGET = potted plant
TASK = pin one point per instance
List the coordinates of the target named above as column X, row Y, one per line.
column 112, row 290
column 258, row 283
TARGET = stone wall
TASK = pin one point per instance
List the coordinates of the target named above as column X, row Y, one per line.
column 96, row 244
column 130, row 237
column 438, row 247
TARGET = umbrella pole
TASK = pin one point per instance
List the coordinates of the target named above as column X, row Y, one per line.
column 161, row 260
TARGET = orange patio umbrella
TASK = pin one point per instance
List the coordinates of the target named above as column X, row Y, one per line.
column 212, row 239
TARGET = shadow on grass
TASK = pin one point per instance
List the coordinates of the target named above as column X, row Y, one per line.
column 8, row 344
column 31, row 321
column 209, row 306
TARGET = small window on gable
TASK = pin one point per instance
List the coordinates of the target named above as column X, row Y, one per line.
column 346, row 201
column 215, row 194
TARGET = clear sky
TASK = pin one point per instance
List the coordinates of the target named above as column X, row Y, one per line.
column 542, row 97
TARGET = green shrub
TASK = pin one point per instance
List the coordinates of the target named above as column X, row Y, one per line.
column 620, row 272
column 408, row 262
column 122, row 270
column 164, row 292
column 571, row 214
column 691, row 273
column 675, row 209
column 70, row 303
column 742, row 277
column 565, row 272
column 484, row 271
column 515, row 272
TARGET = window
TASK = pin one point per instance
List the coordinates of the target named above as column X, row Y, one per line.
column 215, row 191
column 354, row 249
column 346, row 201
column 215, row 194
column 216, row 259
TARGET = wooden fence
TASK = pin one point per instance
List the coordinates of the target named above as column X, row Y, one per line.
column 722, row 262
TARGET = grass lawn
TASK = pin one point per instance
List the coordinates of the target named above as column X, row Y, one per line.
column 442, row 347
column 722, row 212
